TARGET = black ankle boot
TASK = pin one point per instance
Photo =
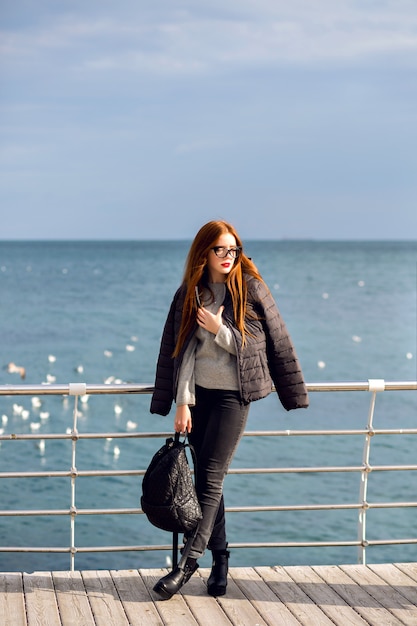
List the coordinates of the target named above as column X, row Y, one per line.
column 167, row 586
column 217, row 582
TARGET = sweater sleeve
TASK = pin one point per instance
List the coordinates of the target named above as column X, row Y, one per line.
column 225, row 339
column 186, row 379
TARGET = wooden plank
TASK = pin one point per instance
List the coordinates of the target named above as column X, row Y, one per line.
column 398, row 579
column 104, row 600
column 237, row 607
column 72, row 600
column 268, row 605
column 174, row 611
column 42, row 608
column 393, row 601
column 294, row 598
column 205, row 609
column 136, row 599
column 12, row 603
column 323, row 596
column 356, row 596
column 408, row 568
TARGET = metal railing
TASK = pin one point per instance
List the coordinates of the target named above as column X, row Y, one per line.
column 77, row 390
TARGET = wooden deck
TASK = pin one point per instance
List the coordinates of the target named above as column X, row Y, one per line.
column 286, row 596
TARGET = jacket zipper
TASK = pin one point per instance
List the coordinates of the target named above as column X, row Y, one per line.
column 230, row 326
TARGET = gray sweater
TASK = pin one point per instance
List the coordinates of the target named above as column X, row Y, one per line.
column 209, row 360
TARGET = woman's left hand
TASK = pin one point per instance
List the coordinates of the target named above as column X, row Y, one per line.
column 210, row 321
column 182, row 420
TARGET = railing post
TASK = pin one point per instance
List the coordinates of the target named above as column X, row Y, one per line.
column 375, row 385
column 75, row 389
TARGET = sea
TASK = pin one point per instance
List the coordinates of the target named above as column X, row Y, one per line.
column 93, row 312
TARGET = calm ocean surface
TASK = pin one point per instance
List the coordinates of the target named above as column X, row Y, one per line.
column 99, row 307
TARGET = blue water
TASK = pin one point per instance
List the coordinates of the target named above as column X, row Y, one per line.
column 351, row 310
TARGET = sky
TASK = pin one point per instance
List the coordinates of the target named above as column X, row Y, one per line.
column 143, row 120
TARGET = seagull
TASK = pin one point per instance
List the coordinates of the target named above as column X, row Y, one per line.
column 12, row 368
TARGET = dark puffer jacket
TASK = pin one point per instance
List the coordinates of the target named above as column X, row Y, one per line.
column 267, row 358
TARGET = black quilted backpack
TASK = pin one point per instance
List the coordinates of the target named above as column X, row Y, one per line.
column 169, row 499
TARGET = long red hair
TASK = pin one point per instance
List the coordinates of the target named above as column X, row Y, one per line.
column 196, row 275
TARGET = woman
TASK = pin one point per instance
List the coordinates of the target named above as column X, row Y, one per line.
column 223, row 346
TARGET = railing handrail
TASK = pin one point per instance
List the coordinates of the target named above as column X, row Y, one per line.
column 145, row 388
column 76, row 390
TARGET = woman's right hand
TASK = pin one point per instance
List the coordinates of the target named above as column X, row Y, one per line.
column 182, row 421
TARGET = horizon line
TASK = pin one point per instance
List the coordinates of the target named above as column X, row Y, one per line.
column 186, row 239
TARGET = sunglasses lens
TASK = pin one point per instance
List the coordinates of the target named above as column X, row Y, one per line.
column 222, row 253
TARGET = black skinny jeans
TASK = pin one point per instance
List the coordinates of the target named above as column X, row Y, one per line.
column 218, row 422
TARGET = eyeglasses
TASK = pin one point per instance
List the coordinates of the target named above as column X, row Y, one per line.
column 222, row 252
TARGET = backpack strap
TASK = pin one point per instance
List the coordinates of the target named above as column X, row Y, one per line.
column 187, row 548
column 191, row 448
